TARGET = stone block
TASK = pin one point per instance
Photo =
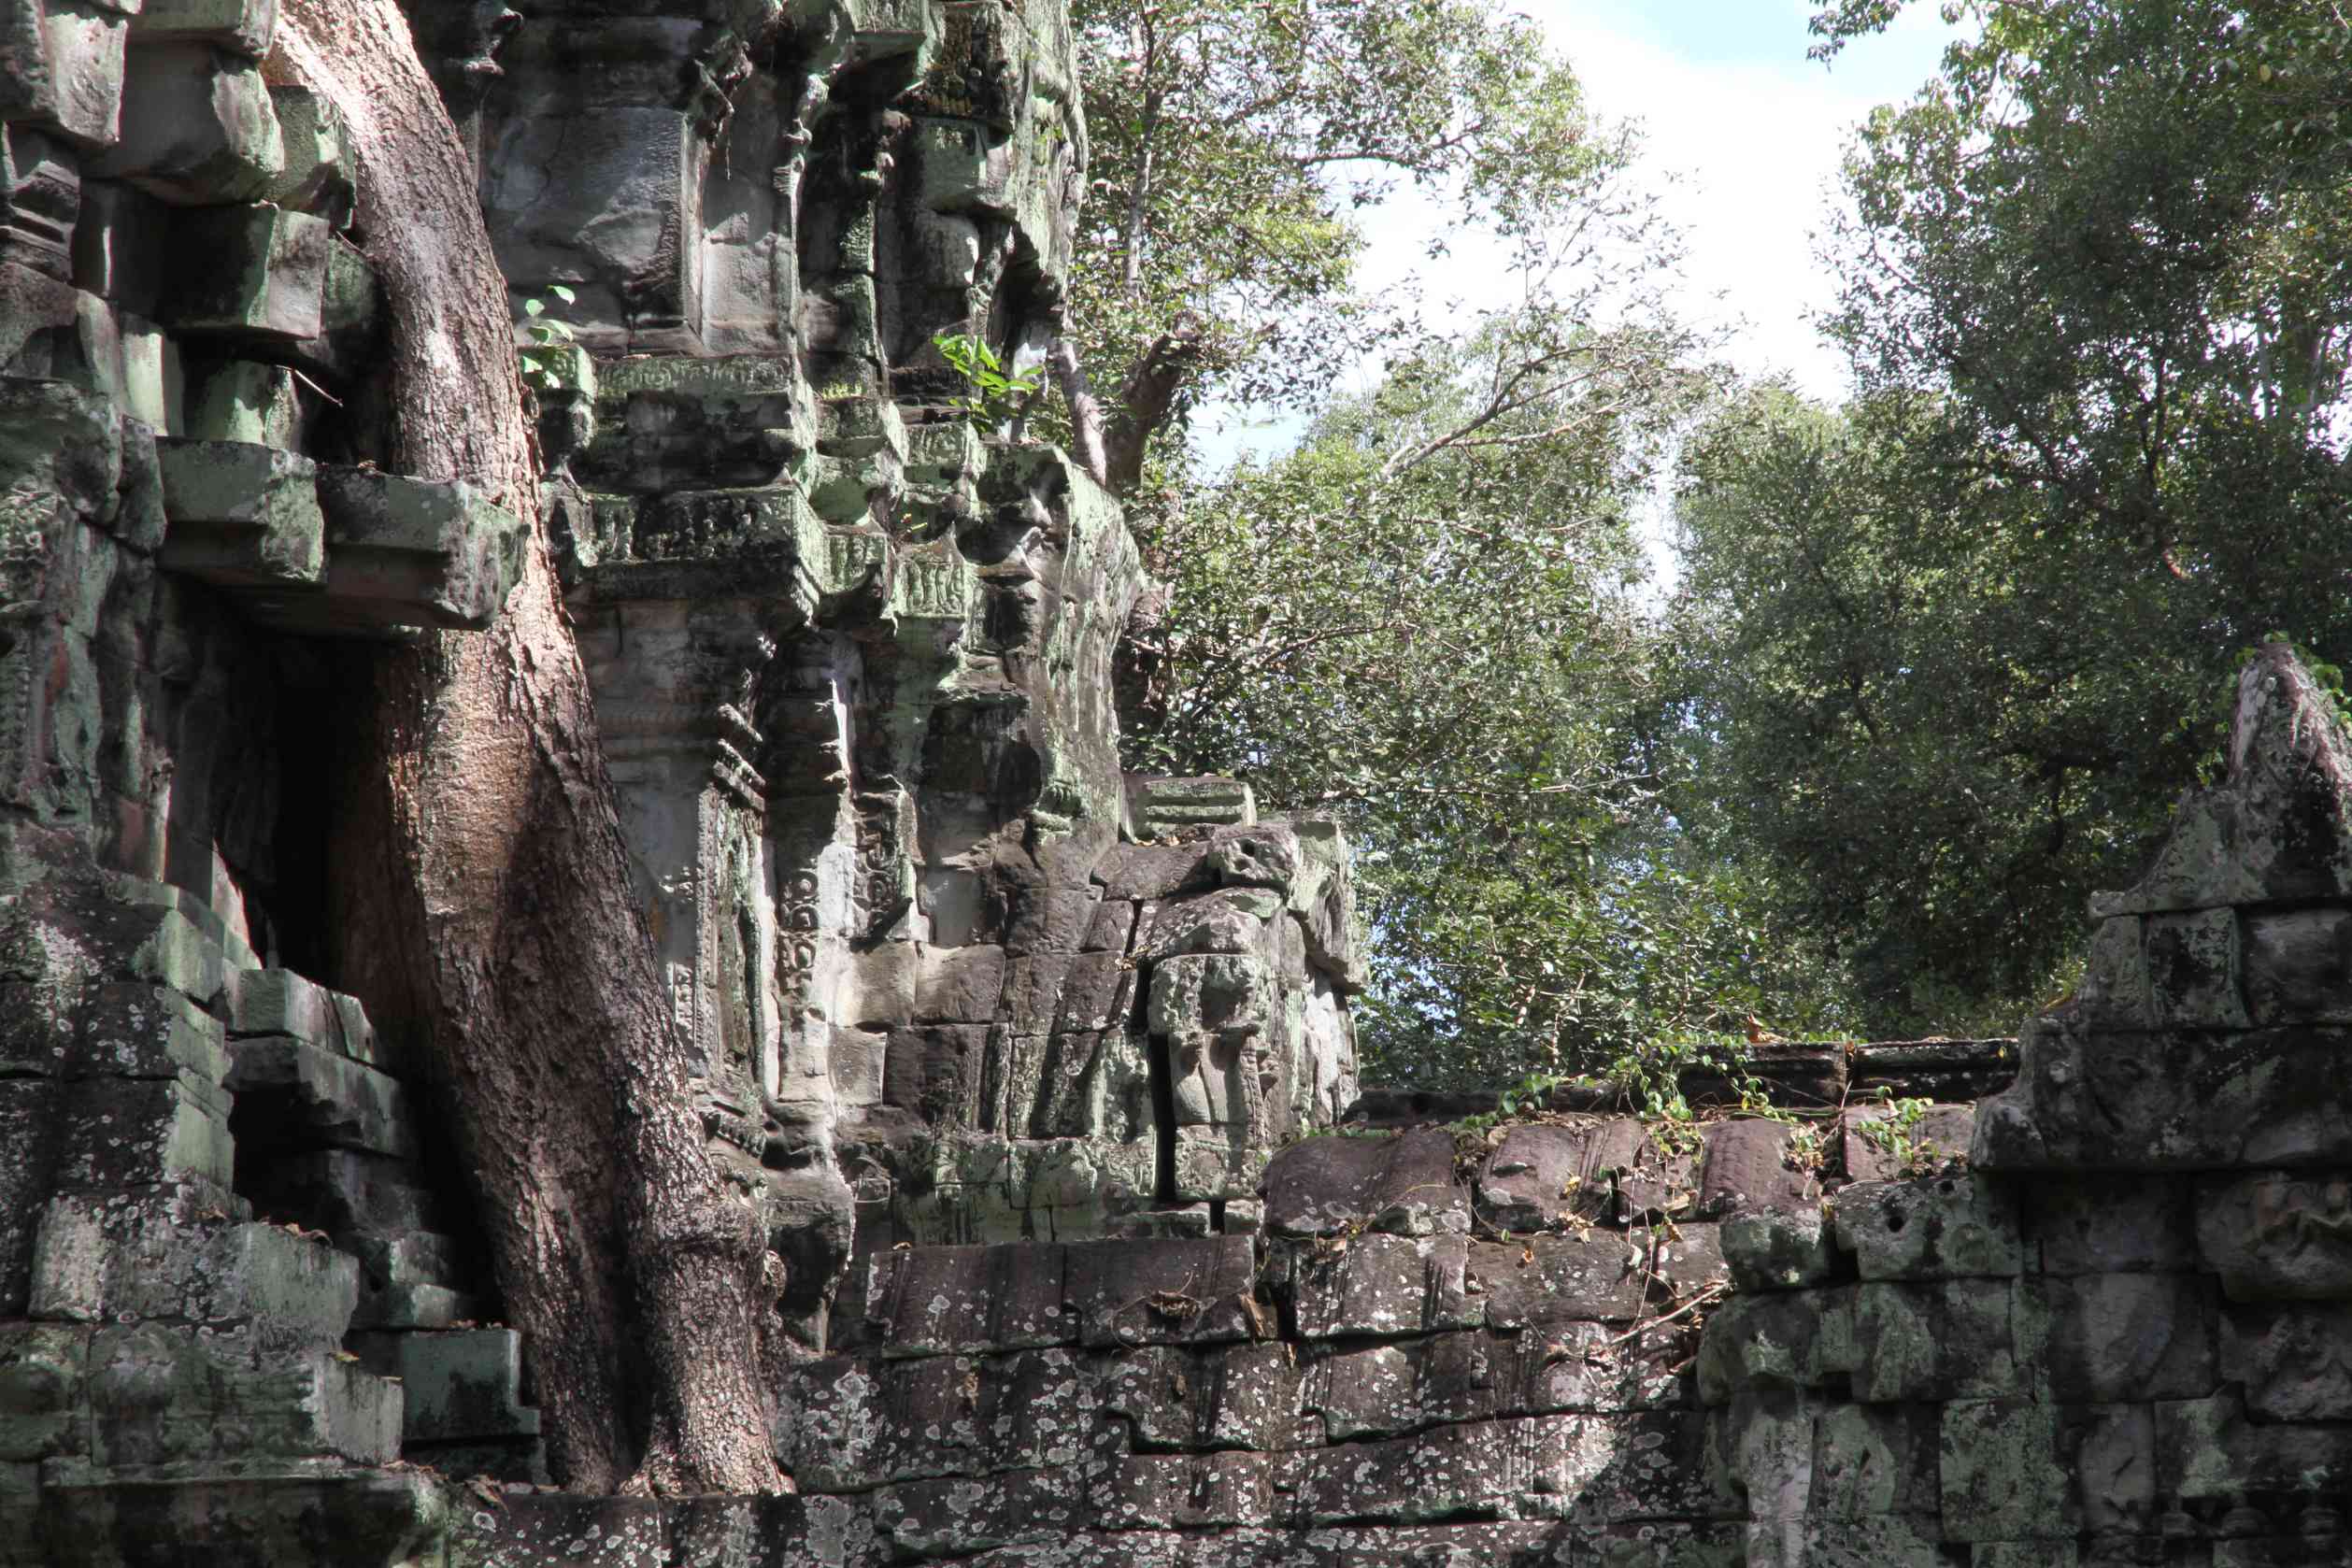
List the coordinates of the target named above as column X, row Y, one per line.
column 1756, row 1164
column 943, row 1073
column 1112, row 928
column 41, row 200
column 1241, row 1396
column 1383, row 1285
column 1937, row 1228
column 2294, row 1359
column 1402, row 1183
column 197, row 127
column 1934, row 1341
column 410, row 553
column 1165, row 1292
column 2001, row 1474
column 1771, row 1249
column 162, row 1397
column 292, row 1095
column 280, row 1002
column 2111, row 1450
column 1163, row 807
column 44, row 1400
column 243, row 27
column 2118, row 1336
column 1877, row 1145
column 1136, row 871
column 1778, row 1340
column 242, row 516
column 2170, row 1101
column 1874, row 1460
column 350, row 320
column 467, row 1383
column 1555, row 1175
column 1049, row 922
column 242, row 401
column 2298, row 966
column 2278, row 1235
column 266, row 278
column 2193, row 970
column 2208, row 1451
column 66, row 60
column 178, row 1254
column 958, row 985
column 119, row 244
column 935, row 1301
column 125, row 1029
column 127, row 1132
column 29, row 1131
column 1551, row 1279
column 2095, row 1224
column 1191, row 1491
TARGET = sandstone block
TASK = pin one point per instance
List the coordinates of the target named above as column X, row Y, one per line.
column 1546, row 1175
column 127, row 1132
column 2298, row 966
column 465, row 1383
column 1769, row 1250
column 2278, row 1235
column 954, row 1300
column 66, row 60
column 163, row 1398
column 118, row 245
column 2001, row 1475
column 1164, row 1292
column 1403, row 1183
column 2118, row 1336
column 2093, row 1224
column 1379, row 1284
column 1934, row 1341
column 44, row 1409
column 241, row 515
column 1557, row 1279
column 1938, row 1228
column 266, row 279
column 413, row 552
column 296, row 1095
column 41, row 200
column 197, row 127
column 1777, row 1340
column 136, row 1031
column 242, row 26
column 2294, row 1359
column 242, row 401
column 1755, row 1163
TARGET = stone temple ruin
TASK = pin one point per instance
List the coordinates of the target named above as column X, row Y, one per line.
column 1097, row 1254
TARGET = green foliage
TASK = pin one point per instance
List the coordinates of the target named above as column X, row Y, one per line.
column 1896, row 1135
column 548, row 354
column 996, row 395
column 1427, row 621
column 1234, row 147
column 1954, row 650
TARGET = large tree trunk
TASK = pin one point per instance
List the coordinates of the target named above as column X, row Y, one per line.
column 500, row 907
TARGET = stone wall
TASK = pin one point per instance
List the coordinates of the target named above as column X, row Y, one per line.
column 1043, row 1075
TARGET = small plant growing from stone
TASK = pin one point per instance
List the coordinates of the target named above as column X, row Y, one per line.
column 548, row 355
column 1896, row 1136
column 997, row 394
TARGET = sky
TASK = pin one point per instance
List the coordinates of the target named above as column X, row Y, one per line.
column 1754, row 131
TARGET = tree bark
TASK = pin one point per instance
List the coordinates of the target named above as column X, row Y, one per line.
column 501, row 914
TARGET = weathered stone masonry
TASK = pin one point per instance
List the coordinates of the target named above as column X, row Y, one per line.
column 1042, row 1074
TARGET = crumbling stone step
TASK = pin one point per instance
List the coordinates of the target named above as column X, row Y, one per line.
column 171, row 1252
column 292, row 1094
